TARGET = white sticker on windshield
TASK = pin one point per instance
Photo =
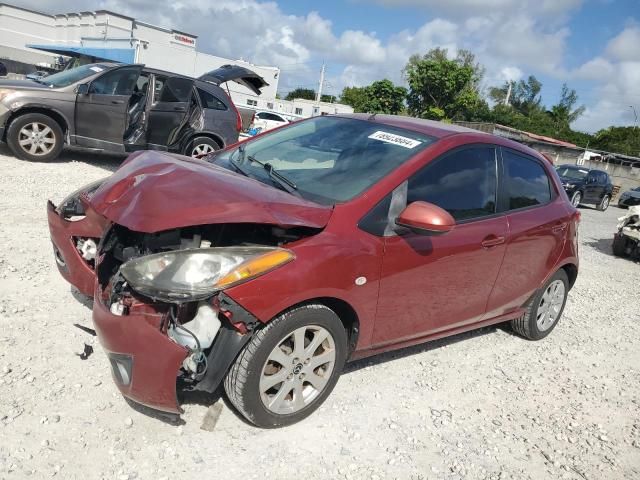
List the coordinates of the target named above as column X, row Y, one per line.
column 395, row 139
column 96, row 69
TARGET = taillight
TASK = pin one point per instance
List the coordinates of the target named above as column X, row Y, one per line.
column 238, row 116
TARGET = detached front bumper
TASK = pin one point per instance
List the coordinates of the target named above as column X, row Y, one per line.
column 145, row 363
column 64, row 233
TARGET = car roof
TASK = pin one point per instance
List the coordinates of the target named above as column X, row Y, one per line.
column 431, row 128
column 439, row 130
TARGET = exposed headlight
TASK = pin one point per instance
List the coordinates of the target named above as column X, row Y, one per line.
column 189, row 275
column 71, row 205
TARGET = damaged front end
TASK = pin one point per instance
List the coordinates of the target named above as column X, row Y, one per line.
column 160, row 310
column 75, row 230
column 626, row 242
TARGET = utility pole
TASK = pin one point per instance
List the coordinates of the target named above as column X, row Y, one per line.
column 319, row 94
column 508, row 97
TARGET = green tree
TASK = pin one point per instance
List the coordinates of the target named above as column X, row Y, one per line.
column 565, row 111
column 444, row 89
column 381, row 96
column 354, row 96
column 525, row 95
column 306, row 93
column 625, row 140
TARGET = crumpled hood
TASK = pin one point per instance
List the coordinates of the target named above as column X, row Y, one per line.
column 155, row 191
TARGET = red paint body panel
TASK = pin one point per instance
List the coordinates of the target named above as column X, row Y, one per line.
column 437, row 283
column 156, row 191
column 75, row 269
column 326, row 265
column 156, row 359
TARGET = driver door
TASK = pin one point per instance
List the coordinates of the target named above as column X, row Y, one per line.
column 431, row 284
column 101, row 115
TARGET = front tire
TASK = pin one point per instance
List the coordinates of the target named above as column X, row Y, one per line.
column 35, row 137
column 544, row 309
column 289, row 367
column 576, row 198
column 604, row 203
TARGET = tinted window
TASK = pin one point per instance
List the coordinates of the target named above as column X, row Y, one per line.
column 211, row 101
column 526, row 182
column 604, row 178
column 176, row 89
column 463, row 183
column 116, row 82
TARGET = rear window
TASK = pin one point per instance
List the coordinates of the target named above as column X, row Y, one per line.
column 211, row 101
column 526, row 181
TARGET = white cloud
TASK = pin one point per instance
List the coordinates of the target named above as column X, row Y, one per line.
column 616, row 74
column 511, row 38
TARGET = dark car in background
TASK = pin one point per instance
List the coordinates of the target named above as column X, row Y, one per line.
column 584, row 185
column 629, row 198
column 121, row 108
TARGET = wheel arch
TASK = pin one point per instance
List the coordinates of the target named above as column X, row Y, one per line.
column 346, row 313
column 50, row 112
column 572, row 273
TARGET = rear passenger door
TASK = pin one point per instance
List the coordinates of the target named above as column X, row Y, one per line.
column 538, row 221
column 171, row 100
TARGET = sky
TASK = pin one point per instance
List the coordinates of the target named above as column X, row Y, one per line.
column 592, row 45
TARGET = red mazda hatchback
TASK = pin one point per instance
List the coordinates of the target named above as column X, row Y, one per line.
column 270, row 264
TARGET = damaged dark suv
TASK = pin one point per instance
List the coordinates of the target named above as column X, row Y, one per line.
column 121, row 108
column 271, row 263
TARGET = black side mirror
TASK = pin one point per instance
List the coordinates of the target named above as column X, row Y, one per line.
column 82, row 89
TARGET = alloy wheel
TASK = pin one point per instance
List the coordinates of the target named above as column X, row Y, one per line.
column 575, row 200
column 36, row 139
column 201, row 149
column 297, row 369
column 605, row 203
column 550, row 305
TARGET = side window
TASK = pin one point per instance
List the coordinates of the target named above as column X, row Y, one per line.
column 116, row 82
column 210, row 101
column 159, row 85
column 604, row 178
column 298, row 111
column 463, row 183
column 526, row 182
column 176, row 89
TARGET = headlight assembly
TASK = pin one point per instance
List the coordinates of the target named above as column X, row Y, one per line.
column 190, row 275
column 71, row 206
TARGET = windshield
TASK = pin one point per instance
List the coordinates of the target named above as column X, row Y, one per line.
column 572, row 172
column 328, row 159
column 73, row 75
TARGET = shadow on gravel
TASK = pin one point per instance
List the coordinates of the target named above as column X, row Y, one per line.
column 424, row 347
column 168, row 418
column 82, row 298
column 108, row 161
column 602, row 245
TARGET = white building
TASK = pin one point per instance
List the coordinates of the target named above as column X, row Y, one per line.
column 39, row 39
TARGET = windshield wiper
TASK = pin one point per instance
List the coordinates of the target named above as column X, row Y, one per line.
column 274, row 175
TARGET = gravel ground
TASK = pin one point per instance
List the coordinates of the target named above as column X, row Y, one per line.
column 486, row 404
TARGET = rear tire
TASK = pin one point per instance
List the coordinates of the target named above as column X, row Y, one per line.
column 35, row 137
column 545, row 308
column 604, row 203
column 201, row 147
column 280, row 378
